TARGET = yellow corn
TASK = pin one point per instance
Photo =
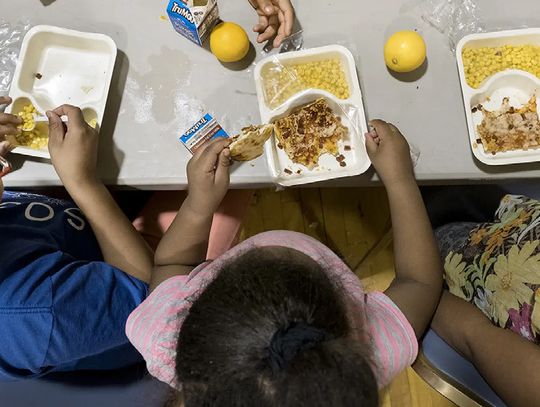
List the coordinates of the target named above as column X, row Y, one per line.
column 281, row 83
column 481, row 63
column 35, row 138
column 27, row 116
column 38, row 138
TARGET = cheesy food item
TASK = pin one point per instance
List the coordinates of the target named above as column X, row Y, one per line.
column 249, row 144
column 510, row 128
column 310, row 132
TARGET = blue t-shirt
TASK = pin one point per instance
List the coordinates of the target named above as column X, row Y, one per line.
column 61, row 307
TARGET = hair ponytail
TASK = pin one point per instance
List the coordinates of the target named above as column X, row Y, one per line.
column 272, row 331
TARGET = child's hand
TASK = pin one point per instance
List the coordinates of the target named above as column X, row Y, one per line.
column 5, row 166
column 8, row 122
column 73, row 147
column 208, row 176
column 389, row 152
column 276, row 18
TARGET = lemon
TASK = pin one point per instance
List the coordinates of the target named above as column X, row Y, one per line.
column 405, row 51
column 229, row 42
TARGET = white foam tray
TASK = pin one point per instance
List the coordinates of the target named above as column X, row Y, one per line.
column 76, row 68
column 351, row 111
column 517, row 85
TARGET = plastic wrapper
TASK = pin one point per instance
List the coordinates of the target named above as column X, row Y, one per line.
column 11, row 36
column 453, row 18
column 294, row 42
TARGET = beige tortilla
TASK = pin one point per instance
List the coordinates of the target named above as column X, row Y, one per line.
column 249, row 144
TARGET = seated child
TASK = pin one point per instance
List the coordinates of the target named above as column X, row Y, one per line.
column 280, row 320
column 490, row 314
column 70, row 273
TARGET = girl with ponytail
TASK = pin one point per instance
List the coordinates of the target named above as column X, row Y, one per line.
column 280, row 320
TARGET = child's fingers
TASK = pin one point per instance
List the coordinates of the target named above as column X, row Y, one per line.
column 281, row 35
column 270, row 31
column 56, row 128
column 73, row 113
column 382, row 128
column 202, row 149
column 9, row 130
column 222, row 168
column 265, row 6
column 210, row 155
column 5, row 100
column 394, row 129
column 10, row 119
column 286, row 16
column 262, row 25
column 371, row 144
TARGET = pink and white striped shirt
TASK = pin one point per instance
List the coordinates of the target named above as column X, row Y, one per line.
column 153, row 327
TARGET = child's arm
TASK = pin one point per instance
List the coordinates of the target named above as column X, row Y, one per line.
column 417, row 286
column 276, row 18
column 73, row 151
column 508, row 362
column 185, row 244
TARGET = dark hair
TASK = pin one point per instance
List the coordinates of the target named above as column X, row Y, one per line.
column 272, row 331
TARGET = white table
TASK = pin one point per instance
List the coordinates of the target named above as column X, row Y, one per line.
column 163, row 83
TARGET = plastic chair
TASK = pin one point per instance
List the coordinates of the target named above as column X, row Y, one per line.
column 452, row 375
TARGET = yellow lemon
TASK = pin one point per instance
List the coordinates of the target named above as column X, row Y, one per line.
column 229, row 42
column 405, row 51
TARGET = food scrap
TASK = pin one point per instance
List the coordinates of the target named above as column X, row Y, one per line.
column 38, row 76
column 510, row 128
column 309, row 132
column 283, row 82
column 481, row 63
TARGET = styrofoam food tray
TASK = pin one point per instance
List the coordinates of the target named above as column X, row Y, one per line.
column 75, row 67
column 350, row 110
column 518, row 86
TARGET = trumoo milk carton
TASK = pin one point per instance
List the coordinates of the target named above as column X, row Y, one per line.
column 194, row 19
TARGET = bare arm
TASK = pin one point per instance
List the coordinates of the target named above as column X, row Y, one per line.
column 417, row 286
column 74, row 156
column 508, row 362
column 121, row 245
column 185, row 244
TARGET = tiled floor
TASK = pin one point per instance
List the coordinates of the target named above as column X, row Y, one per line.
column 355, row 223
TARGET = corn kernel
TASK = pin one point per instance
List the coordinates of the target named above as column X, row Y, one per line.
column 281, row 83
column 31, row 136
column 481, row 63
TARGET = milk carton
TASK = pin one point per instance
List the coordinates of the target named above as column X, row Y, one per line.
column 207, row 128
column 194, row 19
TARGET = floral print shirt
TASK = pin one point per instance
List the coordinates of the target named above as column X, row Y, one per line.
column 497, row 266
